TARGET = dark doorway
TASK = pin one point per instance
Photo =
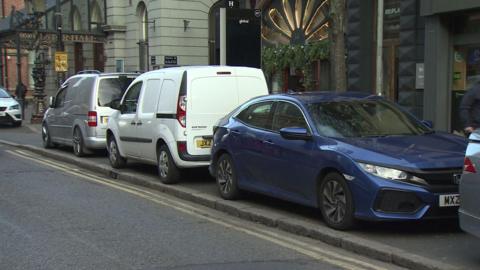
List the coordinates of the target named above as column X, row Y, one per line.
column 98, row 57
column 78, row 57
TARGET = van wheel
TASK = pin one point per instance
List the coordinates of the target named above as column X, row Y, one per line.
column 116, row 160
column 46, row 139
column 336, row 202
column 167, row 170
column 78, row 146
column 227, row 178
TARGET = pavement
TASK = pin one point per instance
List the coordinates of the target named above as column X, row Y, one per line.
column 269, row 212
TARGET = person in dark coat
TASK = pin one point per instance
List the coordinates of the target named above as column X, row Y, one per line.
column 470, row 109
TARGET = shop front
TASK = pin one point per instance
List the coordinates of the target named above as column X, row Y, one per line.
column 452, row 59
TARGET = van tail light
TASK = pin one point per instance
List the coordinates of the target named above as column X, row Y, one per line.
column 468, row 166
column 92, row 119
column 182, row 110
column 182, row 147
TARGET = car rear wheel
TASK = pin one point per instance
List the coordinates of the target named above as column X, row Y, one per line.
column 47, row 141
column 78, row 145
column 116, row 160
column 336, row 202
column 227, row 178
column 167, row 170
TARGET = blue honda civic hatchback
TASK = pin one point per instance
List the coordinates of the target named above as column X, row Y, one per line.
column 351, row 155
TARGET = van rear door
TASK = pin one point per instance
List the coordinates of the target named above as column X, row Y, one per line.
column 209, row 98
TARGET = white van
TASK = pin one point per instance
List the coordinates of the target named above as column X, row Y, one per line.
column 166, row 116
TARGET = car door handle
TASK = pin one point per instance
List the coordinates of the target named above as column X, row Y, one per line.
column 234, row 131
column 268, row 142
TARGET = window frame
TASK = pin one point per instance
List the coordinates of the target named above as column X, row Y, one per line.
column 309, row 128
column 247, row 107
column 122, row 104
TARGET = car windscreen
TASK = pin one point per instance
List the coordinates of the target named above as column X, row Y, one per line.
column 4, row 94
column 111, row 89
column 363, row 118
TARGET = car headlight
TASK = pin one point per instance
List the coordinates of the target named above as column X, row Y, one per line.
column 383, row 172
column 14, row 107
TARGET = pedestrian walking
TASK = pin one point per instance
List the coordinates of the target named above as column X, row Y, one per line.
column 470, row 109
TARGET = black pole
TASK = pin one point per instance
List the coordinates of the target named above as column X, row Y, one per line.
column 60, row 45
column 1, row 67
column 20, row 88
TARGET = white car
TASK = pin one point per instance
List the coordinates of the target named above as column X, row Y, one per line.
column 10, row 110
column 166, row 117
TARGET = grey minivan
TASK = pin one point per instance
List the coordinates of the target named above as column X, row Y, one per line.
column 77, row 115
column 469, row 212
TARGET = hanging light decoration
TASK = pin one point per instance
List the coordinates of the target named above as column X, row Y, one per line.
column 295, row 22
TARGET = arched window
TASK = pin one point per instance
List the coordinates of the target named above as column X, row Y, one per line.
column 96, row 13
column 76, row 19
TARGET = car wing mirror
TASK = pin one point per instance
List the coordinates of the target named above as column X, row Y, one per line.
column 51, row 102
column 295, row 133
column 115, row 104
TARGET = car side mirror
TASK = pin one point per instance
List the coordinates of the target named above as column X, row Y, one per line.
column 427, row 123
column 295, row 133
column 115, row 104
column 122, row 108
column 51, row 102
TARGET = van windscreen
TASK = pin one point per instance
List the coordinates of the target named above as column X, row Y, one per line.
column 111, row 89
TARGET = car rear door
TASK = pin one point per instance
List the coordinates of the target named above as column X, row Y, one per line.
column 248, row 149
column 209, row 98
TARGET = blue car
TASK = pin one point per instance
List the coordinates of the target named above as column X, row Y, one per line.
column 351, row 155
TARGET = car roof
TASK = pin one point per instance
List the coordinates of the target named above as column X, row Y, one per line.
column 325, row 96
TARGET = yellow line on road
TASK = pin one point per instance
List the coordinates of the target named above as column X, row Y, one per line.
column 281, row 240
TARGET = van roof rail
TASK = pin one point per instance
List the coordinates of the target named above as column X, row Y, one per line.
column 92, row 71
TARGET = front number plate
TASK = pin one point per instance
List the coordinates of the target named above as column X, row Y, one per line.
column 449, row 200
column 204, row 143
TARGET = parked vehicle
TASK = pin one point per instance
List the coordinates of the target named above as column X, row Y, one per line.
column 78, row 114
column 10, row 110
column 351, row 155
column 166, row 116
column 469, row 212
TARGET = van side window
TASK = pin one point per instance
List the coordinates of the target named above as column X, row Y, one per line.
column 131, row 98
column 257, row 115
column 150, row 97
column 60, row 98
column 167, row 94
column 82, row 91
column 288, row 115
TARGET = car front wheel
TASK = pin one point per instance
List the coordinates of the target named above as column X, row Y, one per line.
column 227, row 178
column 116, row 160
column 336, row 202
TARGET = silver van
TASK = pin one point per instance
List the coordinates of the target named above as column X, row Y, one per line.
column 469, row 211
column 77, row 115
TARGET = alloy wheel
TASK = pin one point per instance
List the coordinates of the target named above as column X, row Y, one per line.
column 77, row 142
column 225, row 176
column 335, row 201
column 113, row 152
column 163, row 164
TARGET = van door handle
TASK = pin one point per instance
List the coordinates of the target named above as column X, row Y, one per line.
column 139, row 123
column 133, row 123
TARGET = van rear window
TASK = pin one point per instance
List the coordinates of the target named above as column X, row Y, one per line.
column 111, row 89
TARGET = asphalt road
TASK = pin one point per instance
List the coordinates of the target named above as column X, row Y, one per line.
column 439, row 240
column 58, row 216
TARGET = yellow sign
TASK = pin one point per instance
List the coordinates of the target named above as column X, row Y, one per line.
column 61, row 62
